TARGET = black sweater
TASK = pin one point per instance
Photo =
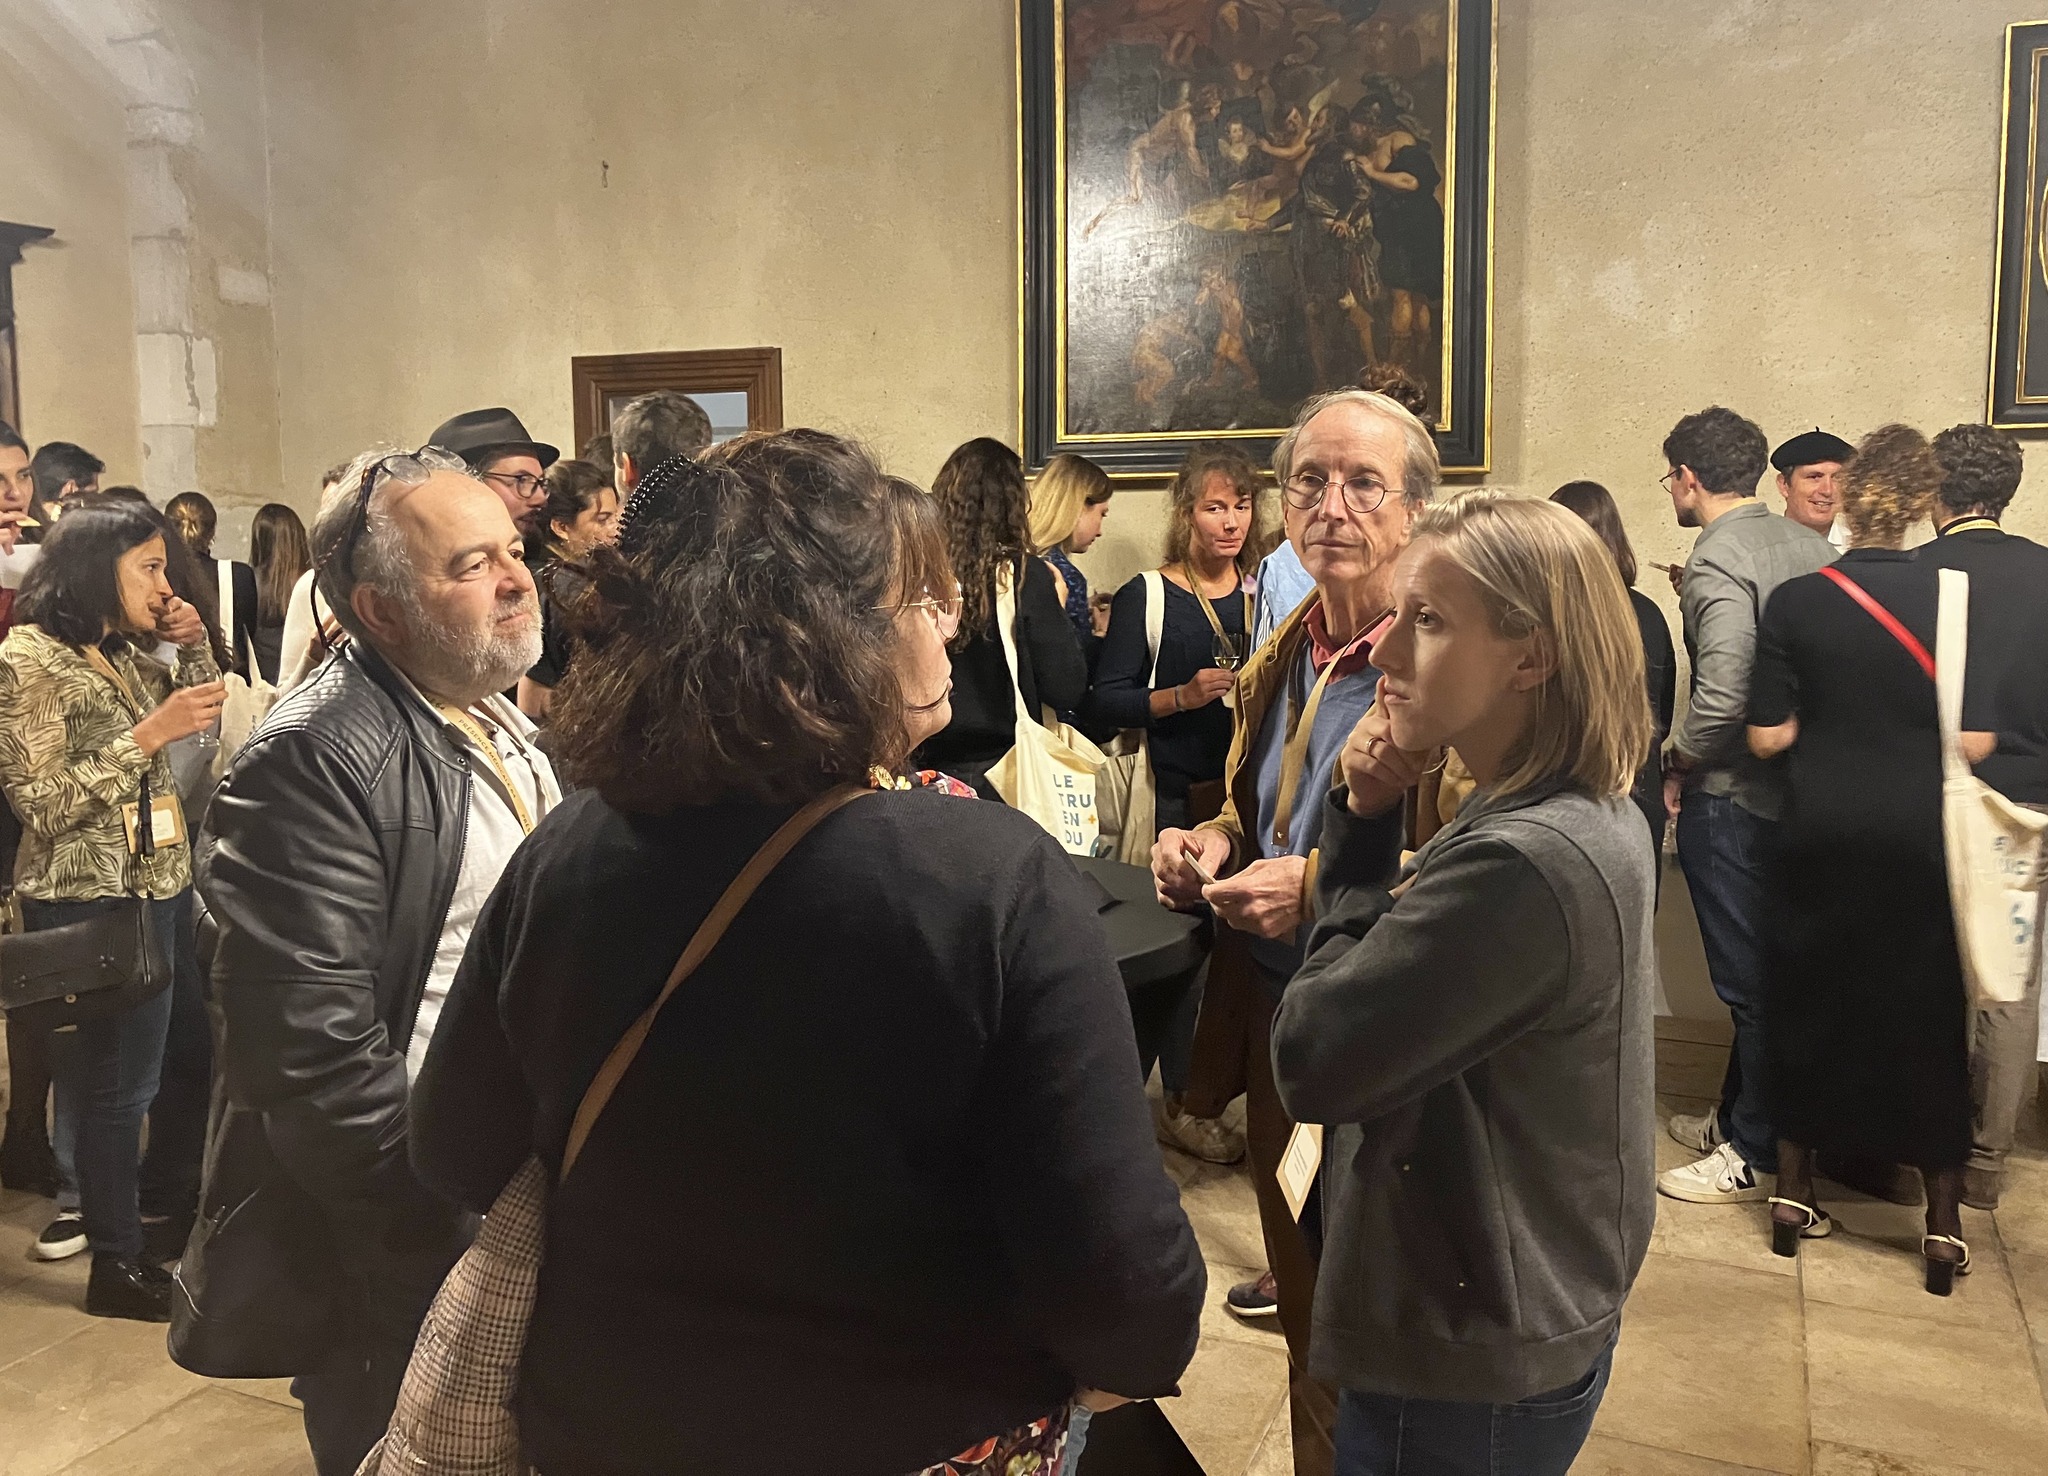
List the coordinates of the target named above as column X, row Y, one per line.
column 2006, row 677
column 1052, row 673
column 881, row 1183
column 1187, row 747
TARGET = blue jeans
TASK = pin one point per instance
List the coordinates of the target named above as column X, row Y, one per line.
column 1383, row 1435
column 1723, row 849
column 1077, row 1440
column 107, row 1073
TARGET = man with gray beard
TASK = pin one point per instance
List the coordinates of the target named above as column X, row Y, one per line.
column 344, row 860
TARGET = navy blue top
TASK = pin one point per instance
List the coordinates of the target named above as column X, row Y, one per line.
column 1187, row 747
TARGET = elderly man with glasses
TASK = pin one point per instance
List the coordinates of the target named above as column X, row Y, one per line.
column 345, row 858
column 1353, row 471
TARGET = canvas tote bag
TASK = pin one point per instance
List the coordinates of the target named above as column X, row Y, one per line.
column 1051, row 771
column 1126, row 796
column 454, row 1415
column 1994, row 846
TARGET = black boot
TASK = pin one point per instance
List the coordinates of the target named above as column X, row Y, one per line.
column 135, row 1290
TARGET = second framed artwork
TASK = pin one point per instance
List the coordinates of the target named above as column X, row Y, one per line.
column 739, row 389
column 1231, row 205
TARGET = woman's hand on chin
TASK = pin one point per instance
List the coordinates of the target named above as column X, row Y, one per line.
column 1377, row 773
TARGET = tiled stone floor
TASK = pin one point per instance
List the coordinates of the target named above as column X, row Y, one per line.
column 1731, row 1360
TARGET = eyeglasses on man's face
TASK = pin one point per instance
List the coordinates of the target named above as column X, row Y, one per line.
column 1362, row 494
column 523, row 485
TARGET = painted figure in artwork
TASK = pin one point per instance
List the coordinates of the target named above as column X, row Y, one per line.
column 1255, row 204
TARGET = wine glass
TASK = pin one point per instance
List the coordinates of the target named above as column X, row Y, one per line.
column 1229, row 651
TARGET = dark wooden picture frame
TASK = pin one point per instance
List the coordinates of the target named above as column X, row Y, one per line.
column 1167, row 256
column 13, row 237
column 595, row 380
column 2018, row 397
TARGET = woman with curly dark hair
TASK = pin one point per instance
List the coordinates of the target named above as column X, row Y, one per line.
column 1864, row 1004
column 982, row 499
column 881, row 1169
column 582, row 511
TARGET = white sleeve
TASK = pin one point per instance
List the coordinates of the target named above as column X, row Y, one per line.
column 297, row 656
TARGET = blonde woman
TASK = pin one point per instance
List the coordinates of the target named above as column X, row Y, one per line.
column 1069, row 504
column 1474, row 1029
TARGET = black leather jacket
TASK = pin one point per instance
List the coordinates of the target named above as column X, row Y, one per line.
column 328, row 861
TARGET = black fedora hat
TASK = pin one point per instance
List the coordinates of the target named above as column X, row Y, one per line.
column 497, row 430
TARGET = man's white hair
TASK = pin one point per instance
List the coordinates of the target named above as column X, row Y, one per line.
column 1421, row 470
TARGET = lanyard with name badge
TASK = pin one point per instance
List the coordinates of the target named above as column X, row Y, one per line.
column 474, row 732
column 1301, row 727
column 166, row 822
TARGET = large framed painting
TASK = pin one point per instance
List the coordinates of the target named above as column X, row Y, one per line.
column 1231, row 205
column 2019, row 316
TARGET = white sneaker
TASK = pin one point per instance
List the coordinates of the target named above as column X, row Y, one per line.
column 1702, row 1134
column 1206, row 1138
column 1722, row 1177
column 62, row 1238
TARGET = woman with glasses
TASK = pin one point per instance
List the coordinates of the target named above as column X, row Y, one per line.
column 986, row 512
column 87, row 713
column 1173, row 690
column 878, row 1192
column 1354, row 471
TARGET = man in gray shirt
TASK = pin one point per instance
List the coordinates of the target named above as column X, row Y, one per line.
column 1726, row 800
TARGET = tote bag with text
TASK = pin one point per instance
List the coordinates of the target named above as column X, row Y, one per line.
column 1050, row 772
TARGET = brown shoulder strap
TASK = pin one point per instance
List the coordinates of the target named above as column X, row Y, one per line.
column 615, row 1066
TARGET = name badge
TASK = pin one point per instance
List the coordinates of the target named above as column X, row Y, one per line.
column 1298, row 1165
column 166, row 822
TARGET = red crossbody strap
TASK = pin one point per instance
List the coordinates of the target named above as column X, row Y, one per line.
column 1885, row 618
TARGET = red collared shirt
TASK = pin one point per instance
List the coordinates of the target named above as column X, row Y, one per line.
column 1354, row 657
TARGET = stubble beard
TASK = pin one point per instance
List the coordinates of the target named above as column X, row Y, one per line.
column 465, row 664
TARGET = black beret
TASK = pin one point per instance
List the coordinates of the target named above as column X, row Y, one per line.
column 1809, row 449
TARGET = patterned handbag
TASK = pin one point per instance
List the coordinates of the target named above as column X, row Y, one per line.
column 454, row 1414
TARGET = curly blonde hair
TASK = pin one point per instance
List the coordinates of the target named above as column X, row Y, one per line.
column 1891, row 485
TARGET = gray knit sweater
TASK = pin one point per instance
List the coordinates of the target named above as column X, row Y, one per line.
column 1481, row 1053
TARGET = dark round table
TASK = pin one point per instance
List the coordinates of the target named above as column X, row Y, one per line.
column 1151, row 943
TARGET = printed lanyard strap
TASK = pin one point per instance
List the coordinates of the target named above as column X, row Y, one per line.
column 474, row 732
column 1301, row 727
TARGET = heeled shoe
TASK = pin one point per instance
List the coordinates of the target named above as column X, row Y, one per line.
column 1942, row 1274
column 1786, row 1234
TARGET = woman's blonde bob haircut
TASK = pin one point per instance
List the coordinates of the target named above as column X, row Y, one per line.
column 1068, row 484
column 1541, row 571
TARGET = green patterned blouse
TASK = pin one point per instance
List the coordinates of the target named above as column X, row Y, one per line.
column 69, row 762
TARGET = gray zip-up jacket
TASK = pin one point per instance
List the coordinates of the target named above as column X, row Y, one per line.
column 1736, row 563
column 1480, row 1053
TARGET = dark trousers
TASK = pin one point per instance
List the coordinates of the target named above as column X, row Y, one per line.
column 28, row 1087
column 1724, row 849
column 169, row 1180
column 348, row 1404
column 1291, row 1254
column 1382, row 1435
column 110, row 1070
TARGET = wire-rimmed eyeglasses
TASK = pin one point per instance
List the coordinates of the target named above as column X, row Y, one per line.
column 1306, row 490
column 945, row 613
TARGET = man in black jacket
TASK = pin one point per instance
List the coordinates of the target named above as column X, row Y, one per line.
column 1980, row 472
column 345, row 858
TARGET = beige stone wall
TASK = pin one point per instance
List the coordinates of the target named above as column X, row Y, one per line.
column 833, row 179
column 62, row 133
